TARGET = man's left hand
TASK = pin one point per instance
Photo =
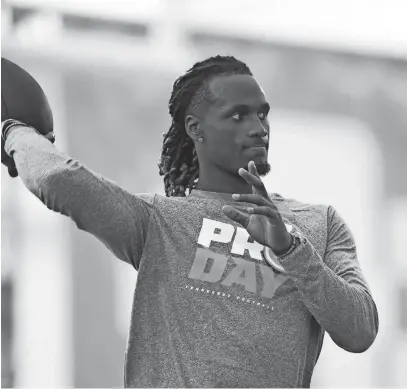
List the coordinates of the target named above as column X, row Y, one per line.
column 264, row 222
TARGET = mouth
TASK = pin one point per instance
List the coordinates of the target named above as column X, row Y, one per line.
column 256, row 153
column 262, row 149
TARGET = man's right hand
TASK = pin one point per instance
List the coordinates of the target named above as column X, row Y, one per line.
column 9, row 162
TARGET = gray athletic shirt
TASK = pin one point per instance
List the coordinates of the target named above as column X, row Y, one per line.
column 208, row 311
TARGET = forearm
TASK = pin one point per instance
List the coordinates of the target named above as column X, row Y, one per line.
column 66, row 186
column 344, row 309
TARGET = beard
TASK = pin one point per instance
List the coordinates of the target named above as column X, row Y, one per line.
column 263, row 168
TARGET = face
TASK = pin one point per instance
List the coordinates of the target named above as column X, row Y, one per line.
column 235, row 125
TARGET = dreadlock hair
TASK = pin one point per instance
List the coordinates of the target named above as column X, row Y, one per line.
column 179, row 161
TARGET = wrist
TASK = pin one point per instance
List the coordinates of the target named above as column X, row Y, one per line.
column 279, row 251
column 8, row 124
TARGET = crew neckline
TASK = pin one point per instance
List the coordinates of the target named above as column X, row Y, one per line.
column 222, row 196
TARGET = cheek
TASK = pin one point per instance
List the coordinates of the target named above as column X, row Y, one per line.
column 224, row 140
column 225, row 151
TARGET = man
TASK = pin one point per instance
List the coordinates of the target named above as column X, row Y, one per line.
column 226, row 296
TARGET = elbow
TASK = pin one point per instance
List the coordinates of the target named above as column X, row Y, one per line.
column 365, row 338
column 362, row 346
column 358, row 345
column 360, row 342
column 38, row 183
column 369, row 335
column 46, row 188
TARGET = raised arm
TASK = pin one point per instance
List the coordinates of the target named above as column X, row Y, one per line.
column 114, row 216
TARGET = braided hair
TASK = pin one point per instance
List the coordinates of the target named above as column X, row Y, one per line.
column 179, row 161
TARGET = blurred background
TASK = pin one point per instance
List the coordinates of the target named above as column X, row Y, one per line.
column 335, row 73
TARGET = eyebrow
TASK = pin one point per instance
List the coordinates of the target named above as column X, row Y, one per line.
column 245, row 107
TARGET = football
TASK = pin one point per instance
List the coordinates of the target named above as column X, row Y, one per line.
column 23, row 99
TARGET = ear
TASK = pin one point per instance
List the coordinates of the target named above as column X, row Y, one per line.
column 192, row 127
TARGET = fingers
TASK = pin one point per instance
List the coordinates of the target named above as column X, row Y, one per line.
column 50, row 136
column 252, row 177
column 253, row 168
column 12, row 171
column 260, row 201
column 235, row 215
column 244, row 219
column 272, row 214
column 251, row 198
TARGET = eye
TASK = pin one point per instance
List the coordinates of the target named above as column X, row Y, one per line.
column 238, row 116
column 263, row 115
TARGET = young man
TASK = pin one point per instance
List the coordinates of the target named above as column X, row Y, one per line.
column 225, row 296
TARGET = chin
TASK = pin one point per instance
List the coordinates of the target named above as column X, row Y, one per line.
column 263, row 167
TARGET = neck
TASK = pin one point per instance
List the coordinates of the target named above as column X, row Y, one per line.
column 222, row 181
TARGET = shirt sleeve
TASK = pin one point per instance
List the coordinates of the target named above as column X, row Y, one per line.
column 333, row 287
column 117, row 218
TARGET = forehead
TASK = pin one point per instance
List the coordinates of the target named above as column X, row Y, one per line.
column 237, row 89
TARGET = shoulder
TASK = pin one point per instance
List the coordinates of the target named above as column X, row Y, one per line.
column 160, row 200
column 298, row 206
column 147, row 198
column 316, row 215
column 312, row 219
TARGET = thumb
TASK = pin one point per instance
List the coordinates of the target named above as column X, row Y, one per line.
column 50, row 136
column 12, row 171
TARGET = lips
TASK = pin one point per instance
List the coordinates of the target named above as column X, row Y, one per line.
column 257, row 150
column 257, row 146
column 262, row 144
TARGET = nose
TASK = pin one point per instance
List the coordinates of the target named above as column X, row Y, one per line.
column 258, row 130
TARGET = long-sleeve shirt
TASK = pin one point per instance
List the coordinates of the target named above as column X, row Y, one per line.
column 208, row 310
